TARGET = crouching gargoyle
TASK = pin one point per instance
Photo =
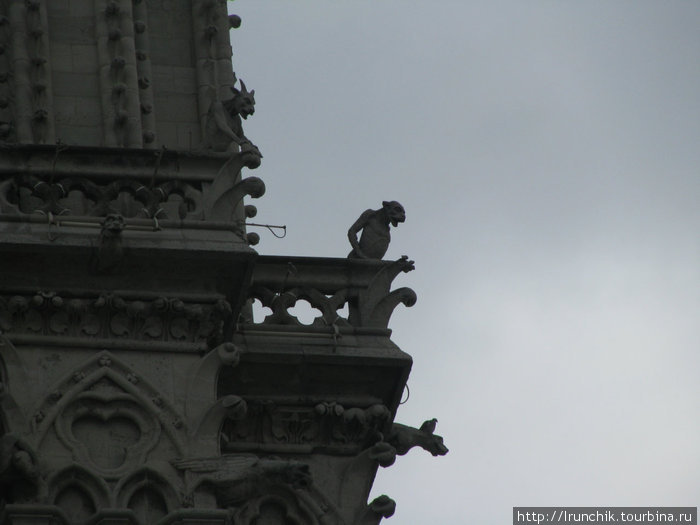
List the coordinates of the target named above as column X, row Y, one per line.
column 376, row 236
column 224, row 135
column 224, row 129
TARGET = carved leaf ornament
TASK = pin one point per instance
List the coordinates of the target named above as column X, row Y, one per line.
column 165, row 319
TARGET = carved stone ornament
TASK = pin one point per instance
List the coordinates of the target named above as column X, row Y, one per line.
column 375, row 238
column 328, row 426
column 381, row 507
column 223, row 200
column 19, row 475
column 258, row 490
column 108, row 417
column 83, row 196
column 113, row 316
column 369, row 299
column 223, row 128
column 403, row 438
column 110, row 252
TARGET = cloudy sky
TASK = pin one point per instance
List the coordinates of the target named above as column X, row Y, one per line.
column 548, row 157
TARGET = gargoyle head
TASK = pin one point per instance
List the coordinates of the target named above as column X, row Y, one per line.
column 112, row 225
column 394, row 212
column 436, row 446
column 243, row 102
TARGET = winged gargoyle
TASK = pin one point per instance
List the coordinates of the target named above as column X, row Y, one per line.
column 239, row 477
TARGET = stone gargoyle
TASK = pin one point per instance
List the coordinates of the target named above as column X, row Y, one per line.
column 240, row 477
column 376, row 236
column 224, row 135
column 19, row 476
column 223, row 132
column 403, row 438
column 110, row 252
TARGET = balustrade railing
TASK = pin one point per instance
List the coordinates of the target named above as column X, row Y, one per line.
column 328, row 286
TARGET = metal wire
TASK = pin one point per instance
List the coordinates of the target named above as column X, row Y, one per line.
column 408, row 395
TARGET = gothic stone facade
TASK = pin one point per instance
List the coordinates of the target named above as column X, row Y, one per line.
column 136, row 386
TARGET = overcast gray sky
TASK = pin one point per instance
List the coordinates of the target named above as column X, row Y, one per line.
column 548, row 157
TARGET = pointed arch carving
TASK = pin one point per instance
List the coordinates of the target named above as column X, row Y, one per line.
column 147, row 479
column 93, row 488
column 280, row 505
column 108, row 417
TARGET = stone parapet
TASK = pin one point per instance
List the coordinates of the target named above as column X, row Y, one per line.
column 328, row 286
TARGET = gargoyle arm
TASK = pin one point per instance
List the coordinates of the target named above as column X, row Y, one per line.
column 222, row 124
column 355, row 229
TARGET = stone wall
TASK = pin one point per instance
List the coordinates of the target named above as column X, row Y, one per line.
column 99, row 73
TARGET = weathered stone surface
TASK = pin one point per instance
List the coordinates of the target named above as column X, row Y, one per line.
column 374, row 224
column 137, row 385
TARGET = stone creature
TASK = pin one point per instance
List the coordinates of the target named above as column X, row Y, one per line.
column 375, row 237
column 223, row 128
column 240, row 477
column 19, row 476
column 403, row 438
column 110, row 252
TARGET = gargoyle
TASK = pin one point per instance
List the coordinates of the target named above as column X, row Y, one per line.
column 375, row 237
column 19, row 475
column 240, row 477
column 403, row 438
column 223, row 128
column 110, row 252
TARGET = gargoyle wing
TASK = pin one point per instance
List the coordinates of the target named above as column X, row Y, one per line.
column 224, row 466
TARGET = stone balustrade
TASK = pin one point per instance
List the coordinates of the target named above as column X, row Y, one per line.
column 328, row 286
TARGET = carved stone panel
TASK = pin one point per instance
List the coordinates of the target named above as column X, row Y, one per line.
column 112, row 316
column 108, row 418
column 327, row 426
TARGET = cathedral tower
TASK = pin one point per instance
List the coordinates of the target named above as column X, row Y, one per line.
column 137, row 386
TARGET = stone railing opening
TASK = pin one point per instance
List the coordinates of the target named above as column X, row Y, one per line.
column 324, row 295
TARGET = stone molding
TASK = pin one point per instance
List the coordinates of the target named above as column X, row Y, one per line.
column 109, row 317
column 70, row 185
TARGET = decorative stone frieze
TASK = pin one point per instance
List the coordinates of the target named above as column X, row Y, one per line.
column 327, row 427
column 109, row 316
